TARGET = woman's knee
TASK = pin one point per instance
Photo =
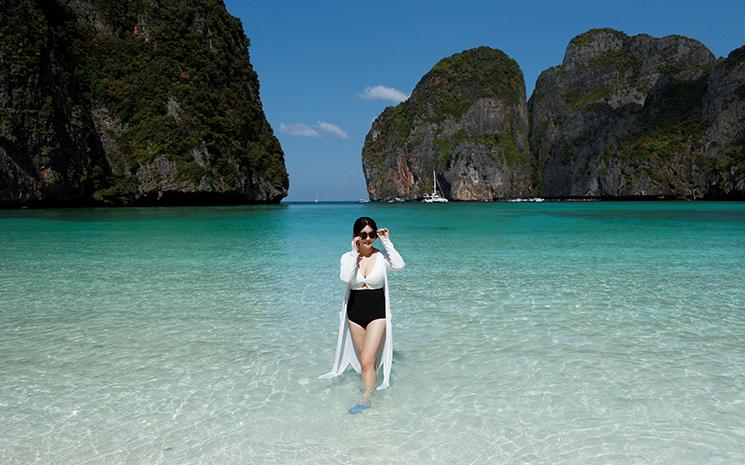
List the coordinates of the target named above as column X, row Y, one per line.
column 367, row 362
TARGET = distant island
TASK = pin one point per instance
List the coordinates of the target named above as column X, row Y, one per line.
column 131, row 103
column 623, row 117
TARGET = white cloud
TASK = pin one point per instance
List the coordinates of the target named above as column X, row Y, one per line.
column 333, row 129
column 383, row 93
column 298, row 129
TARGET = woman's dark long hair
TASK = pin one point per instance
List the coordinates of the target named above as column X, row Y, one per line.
column 360, row 224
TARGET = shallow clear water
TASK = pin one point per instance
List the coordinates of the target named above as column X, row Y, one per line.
column 549, row 333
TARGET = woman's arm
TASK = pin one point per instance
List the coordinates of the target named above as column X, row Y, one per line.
column 348, row 264
column 393, row 258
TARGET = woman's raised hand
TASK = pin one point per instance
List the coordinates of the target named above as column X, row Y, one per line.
column 356, row 243
column 383, row 233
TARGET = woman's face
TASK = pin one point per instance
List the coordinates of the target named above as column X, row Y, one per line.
column 367, row 242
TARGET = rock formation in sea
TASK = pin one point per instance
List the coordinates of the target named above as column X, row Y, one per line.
column 467, row 121
column 131, row 102
column 723, row 116
column 621, row 117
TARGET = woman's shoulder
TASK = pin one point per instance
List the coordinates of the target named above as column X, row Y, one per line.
column 350, row 253
column 385, row 255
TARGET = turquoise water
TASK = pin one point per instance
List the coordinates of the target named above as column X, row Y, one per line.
column 553, row 333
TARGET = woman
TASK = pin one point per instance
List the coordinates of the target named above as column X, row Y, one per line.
column 365, row 316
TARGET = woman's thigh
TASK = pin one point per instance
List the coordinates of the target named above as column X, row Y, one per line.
column 358, row 336
column 374, row 335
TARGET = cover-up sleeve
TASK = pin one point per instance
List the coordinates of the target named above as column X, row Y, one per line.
column 348, row 265
column 393, row 259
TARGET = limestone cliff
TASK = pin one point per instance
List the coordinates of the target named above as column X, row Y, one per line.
column 723, row 114
column 466, row 120
column 131, row 102
column 623, row 117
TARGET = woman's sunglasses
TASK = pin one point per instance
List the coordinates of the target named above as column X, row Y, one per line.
column 372, row 234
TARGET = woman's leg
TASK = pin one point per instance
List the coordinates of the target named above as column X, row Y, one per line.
column 358, row 336
column 374, row 335
column 371, row 338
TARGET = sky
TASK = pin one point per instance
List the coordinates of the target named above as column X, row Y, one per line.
column 327, row 69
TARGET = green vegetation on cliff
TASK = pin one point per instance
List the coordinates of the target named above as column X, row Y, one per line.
column 671, row 123
column 174, row 78
column 195, row 65
column 481, row 72
column 455, row 83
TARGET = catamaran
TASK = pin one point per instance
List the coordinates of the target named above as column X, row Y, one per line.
column 434, row 197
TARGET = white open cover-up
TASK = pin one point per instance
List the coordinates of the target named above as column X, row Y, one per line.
column 345, row 353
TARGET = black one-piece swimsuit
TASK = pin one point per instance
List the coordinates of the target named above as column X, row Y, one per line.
column 366, row 305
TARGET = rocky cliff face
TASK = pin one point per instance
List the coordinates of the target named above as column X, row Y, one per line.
column 467, row 121
column 619, row 117
column 132, row 102
column 723, row 116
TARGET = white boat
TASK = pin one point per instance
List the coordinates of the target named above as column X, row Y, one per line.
column 363, row 201
column 434, row 197
column 316, row 200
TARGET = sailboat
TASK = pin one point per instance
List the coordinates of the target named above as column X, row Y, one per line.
column 434, row 197
column 316, row 200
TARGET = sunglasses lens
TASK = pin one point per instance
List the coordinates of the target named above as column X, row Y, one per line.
column 372, row 235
